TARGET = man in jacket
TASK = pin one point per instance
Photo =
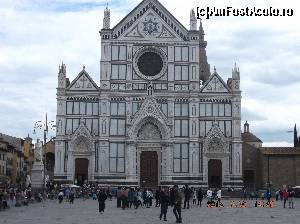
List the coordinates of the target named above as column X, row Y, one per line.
column 177, row 204
column 187, row 196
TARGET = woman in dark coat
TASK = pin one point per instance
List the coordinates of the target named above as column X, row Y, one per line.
column 101, row 200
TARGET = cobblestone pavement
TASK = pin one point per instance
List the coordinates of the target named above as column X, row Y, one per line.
column 85, row 212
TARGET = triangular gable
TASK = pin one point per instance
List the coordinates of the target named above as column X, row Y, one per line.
column 150, row 110
column 215, row 141
column 150, row 26
column 150, row 107
column 131, row 20
column 215, row 84
column 82, row 134
column 83, row 82
column 82, row 131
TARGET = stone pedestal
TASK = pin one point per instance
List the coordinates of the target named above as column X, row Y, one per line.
column 37, row 175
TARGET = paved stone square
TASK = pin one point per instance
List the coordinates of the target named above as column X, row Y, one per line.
column 85, row 212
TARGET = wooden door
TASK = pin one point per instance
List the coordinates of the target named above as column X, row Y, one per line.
column 215, row 173
column 149, row 170
column 81, row 170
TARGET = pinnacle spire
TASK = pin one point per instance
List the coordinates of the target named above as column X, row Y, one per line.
column 106, row 19
column 235, row 72
column 201, row 30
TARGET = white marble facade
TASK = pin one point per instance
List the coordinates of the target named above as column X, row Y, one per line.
column 156, row 94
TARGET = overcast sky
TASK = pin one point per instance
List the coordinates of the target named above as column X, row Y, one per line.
column 37, row 35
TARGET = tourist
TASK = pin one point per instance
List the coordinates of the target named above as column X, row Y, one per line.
column 291, row 196
column 67, row 194
column 268, row 196
column 245, row 193
column 101, row 200
column 194, row 196
column 124, row 198
column 150, row 197
column 172, row 197
column 145, row 198
column 164, row 201
column 94, row 195
column 119, row 196
column 219, row 195
column 130, row 197
column 199, row 196
column 157, row 197
column 108, row 193
column 281, row 194
column 187, row 196
column 277, row 194
column 71, row 197
column 60, row 197
column 209, row 195
column 177, row 204
column 285, row 196
column 139, row 199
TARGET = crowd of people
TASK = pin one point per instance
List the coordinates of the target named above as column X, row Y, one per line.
column 17, row 196
column 164, row 197
column 133, row 198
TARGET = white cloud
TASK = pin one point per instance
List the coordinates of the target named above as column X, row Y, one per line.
column 37, row 35
column 277, row 144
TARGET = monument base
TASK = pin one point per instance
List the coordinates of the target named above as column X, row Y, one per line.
column 37, row 176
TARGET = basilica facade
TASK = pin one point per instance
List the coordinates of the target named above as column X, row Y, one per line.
column 159, row 117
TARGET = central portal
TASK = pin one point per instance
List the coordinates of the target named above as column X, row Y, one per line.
column 149, row 169
column 215, row 173
column 81, row 171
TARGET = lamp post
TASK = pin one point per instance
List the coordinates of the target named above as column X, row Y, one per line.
column 45, row 127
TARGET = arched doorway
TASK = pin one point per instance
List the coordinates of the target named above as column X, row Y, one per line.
column 81, row 171
column 215, row 173
column 148, row 157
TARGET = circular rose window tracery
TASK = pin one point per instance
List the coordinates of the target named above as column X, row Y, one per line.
column 150, row 63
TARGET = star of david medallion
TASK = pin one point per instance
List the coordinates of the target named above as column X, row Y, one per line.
column 150, row 109
column 151, row 27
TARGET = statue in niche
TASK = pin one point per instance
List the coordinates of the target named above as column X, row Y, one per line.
column 59, row 126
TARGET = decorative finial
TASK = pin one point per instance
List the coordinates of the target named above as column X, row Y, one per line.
column 215, row 70
column 83, row 67
column 82, row 119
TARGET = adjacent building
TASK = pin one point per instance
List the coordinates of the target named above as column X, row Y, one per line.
column 12, row 152
column 272, row 167
column 158, row 117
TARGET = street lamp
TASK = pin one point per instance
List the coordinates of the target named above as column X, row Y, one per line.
column 45, row 127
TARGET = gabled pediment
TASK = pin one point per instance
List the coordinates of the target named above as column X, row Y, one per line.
column 150, row 20
column 150, row 112
column 215, row 141
column 150, row 27
column 215, row 84
column 82, row 139
column 83, row 82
